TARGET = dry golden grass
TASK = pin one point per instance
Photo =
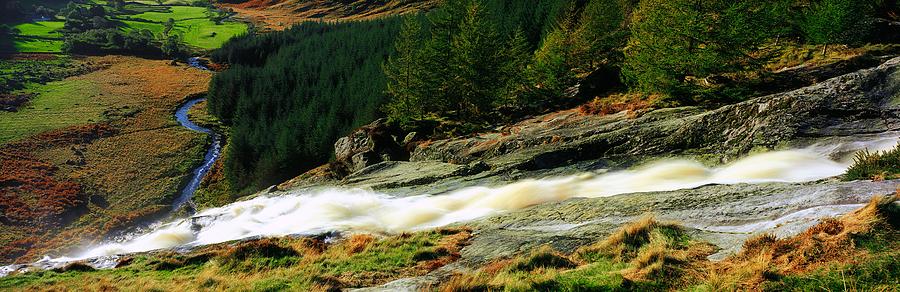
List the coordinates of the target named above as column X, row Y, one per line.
column 633, row 104
column 282, row 14
column 295, row 264
column 833, row 241
column 645, row 251
column 856, row 252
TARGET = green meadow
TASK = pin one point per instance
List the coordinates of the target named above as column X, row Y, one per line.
column 55, row 105
column 192, row 23
column 39, row 37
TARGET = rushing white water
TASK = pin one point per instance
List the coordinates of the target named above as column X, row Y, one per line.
column 358, row 210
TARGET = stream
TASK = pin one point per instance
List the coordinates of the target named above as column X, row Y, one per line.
column 212, row 153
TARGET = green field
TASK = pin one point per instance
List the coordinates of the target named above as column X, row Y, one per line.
column 39, row 37
column 175, row 12
column 41, row 28
column 55, row 105
column 192, row 23
column 195, row 32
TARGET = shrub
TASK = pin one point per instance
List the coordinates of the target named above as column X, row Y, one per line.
column 99, row 41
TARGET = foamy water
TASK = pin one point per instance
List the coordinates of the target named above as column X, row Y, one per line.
column 307, row 212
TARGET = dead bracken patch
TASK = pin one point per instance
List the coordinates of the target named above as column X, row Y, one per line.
column 633, row 104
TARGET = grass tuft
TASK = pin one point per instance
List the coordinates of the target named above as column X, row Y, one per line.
column 644, row 255
column 875, row 165
column 817, row 253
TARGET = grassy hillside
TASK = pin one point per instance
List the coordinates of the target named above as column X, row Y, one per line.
column 296, row 264
column 92, row 153
column 39, row 37
column 55, row 105
column 192, row 23
column 282, row 14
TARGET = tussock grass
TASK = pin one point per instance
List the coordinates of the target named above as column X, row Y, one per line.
column 875, row 165
column 864, row 241
column 274, row 264
column 646, row 254
column 856, row 252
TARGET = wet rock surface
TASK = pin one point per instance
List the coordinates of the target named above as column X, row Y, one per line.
column 842, row 109
column 856, row 103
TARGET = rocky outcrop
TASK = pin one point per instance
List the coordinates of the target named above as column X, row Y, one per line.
column 368, row 145
column 866, row 101
column 844, row 109
column 566, row 142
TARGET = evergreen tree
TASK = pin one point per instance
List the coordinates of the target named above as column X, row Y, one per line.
column 672, row 40
column 835, row 21
column 602, row 31
column 478, row 64
column 554, row 61
column 465, row 69
column 438, row 54
column 517, row 57
column 289, row 95
column 404, row 72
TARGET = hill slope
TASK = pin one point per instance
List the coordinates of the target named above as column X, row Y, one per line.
column 281, row 14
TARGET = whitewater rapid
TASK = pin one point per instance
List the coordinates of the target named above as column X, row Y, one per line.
column 357, row 210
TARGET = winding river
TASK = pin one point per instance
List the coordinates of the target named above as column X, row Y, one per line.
column 212, row 153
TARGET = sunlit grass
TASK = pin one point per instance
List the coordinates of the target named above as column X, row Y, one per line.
column 299, row 264
column 38, row 37
column 55, row 105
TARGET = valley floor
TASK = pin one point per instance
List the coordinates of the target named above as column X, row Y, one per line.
column 93, row 153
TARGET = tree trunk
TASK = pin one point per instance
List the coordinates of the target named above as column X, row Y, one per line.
column 825, row 49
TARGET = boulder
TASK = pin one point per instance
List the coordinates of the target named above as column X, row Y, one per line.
column 366, row 146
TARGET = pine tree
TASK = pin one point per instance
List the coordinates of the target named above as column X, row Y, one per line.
column 554, row 60
column 602, row 31
column 834, row 21
column 672, row 40
column 517, row 57
column 404, row 72
column 478, row 64
column 438, row 53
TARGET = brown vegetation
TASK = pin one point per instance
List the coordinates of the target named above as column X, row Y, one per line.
column 649, row 255
column 633, row 104
column 281, row 14
column 766, row 258
column 106, row 175
column 288, row 263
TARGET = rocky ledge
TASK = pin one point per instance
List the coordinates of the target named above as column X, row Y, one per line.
column 856, row 104
column 847, row 108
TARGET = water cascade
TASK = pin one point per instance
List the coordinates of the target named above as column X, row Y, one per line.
column 356, row 210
